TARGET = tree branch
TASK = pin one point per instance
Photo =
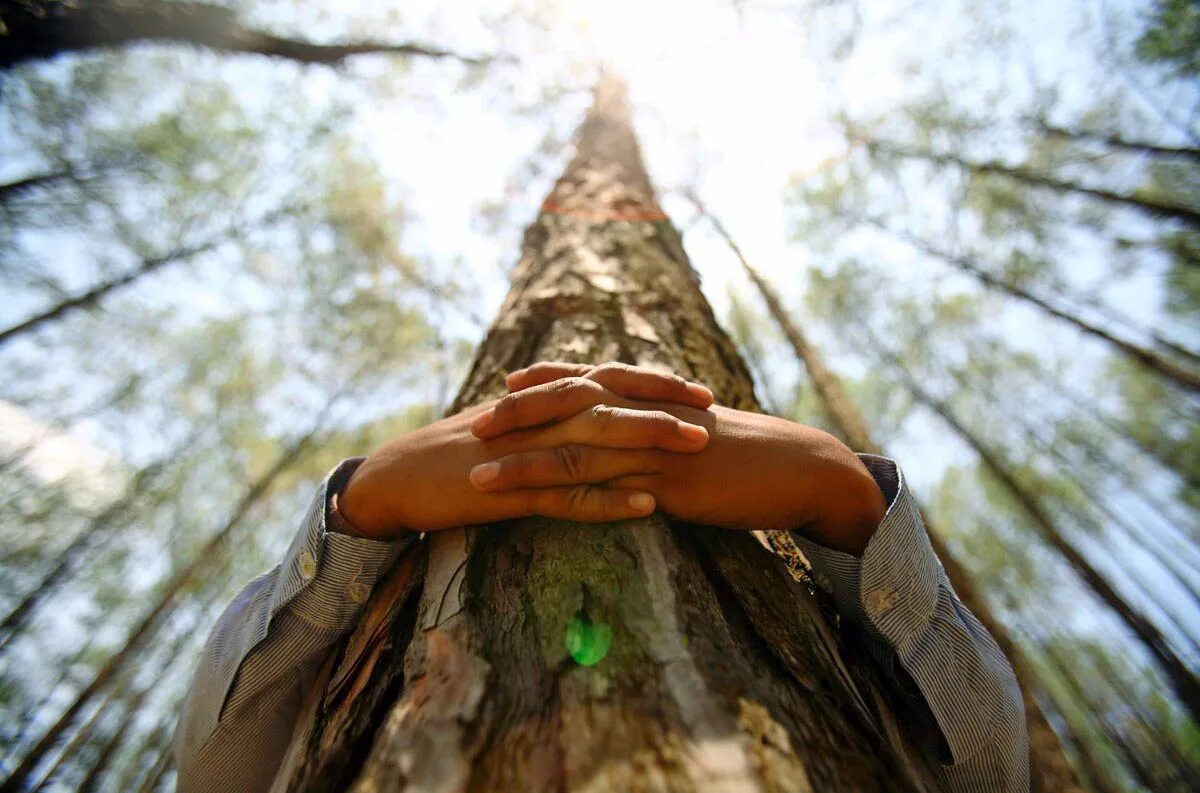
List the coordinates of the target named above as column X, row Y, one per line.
column 1114, row 141
column 38, row 29
column 1147, row 204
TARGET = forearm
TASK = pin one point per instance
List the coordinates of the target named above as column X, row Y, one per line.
column 898, row 596
column 265, row 649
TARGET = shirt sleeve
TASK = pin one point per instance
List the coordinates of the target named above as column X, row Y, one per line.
column 897, row 595
column 266, row 647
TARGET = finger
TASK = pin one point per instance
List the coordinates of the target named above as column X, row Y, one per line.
column 585, row 503
column 571, row 464
column 634, row 382
column 540, row 404
column 627, row 428
column 544, row 372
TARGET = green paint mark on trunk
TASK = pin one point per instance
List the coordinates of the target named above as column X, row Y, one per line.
column 588, row 641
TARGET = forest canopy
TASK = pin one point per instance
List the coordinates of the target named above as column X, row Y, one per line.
column 241, row 241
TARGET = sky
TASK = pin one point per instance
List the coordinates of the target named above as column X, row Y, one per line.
column 736, row 101
column 733, row 99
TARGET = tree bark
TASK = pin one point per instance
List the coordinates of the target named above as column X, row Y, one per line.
column 708, row 667
column 1051, row 771
column 37, row 29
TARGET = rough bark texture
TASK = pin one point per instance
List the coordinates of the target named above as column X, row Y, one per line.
column 36, row 29
column 1050, row 769
column 722, row 673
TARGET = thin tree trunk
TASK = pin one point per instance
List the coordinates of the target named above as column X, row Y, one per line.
column 84, row 732
column 1051, row 771
column 28, row 713
column 16, row 618
column 151, row 621
column 1148, row 205
column 711, row 667
column 1113, row 141
column 9, row 190
column 132, row 707
column 1080, row 736
column 1093, row 767
column 1173, row 459
column 1149, row 722
column 155, row 777
column 1150, row 778
column 1181, row 679
column 1146, row 357
column 157, row 740
column 38, row 29
column 1179, row 569
column 155, row 749
column 92, row 296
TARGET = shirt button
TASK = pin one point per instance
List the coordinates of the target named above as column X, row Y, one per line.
column 308, row 565
column 357, row 592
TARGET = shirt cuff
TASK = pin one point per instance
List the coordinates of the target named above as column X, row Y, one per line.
column 327, row 575
column 892, row 590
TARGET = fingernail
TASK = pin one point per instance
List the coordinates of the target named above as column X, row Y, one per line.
column 512, row 376
column 484, row 473
column 693, row 433
column 641, row 502
column 482, row 421
column 700, row 392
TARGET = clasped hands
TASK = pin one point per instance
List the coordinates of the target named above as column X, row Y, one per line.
column 609, row 442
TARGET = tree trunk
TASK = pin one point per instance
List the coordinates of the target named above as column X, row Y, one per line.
column 132, row 708
column 13, row 189
column 641, row 655
column 1112, row 141
column 1179, row 569
column 1147, row 204
column 92, row 297
column 152, row 620
column 1181, row 679
column 1148, row 358
column 37, row 29
column 98, row 528
column 1051, row 771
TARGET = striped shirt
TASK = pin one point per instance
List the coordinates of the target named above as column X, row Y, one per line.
column 266, row 648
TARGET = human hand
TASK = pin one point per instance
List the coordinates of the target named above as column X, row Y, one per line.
column 420, row 481
column 756, row 472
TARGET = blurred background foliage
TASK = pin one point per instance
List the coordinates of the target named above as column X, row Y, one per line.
column 236, row 251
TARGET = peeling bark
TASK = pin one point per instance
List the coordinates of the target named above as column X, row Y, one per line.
column 723, row 672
